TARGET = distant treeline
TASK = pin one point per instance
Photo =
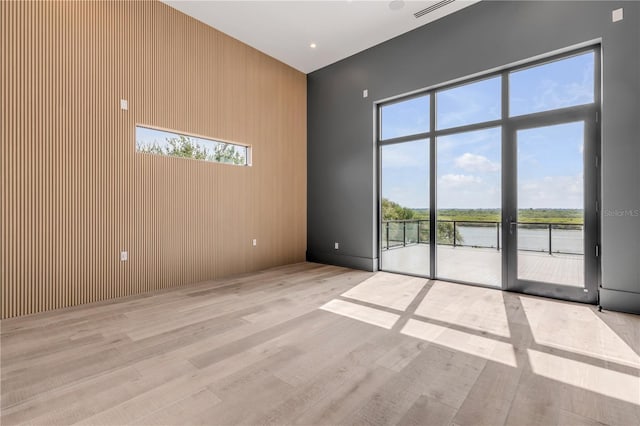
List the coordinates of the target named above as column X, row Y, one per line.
column 572, row 219
column 568, row 216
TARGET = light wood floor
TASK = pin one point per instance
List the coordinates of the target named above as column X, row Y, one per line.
column 313, row 344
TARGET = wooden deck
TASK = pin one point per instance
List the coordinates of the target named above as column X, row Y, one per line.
column 483, row 265
column 310, row 344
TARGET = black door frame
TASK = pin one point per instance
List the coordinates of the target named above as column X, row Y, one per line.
column 590, row 114
column 591, row 190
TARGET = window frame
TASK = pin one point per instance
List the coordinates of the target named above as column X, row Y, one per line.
column 249, row 148
column 505, row 122
column 504, row 74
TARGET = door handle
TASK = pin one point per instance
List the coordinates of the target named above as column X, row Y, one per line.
column 512, row 225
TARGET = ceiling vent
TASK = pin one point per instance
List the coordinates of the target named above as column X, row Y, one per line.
column 432, row 8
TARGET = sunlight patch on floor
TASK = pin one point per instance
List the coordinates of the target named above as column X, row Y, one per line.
column 607, row 382
column 388, row 290
column 361, row 313
column 477, row 308
column 478, row 321
column 472, row 344
column 574, row 328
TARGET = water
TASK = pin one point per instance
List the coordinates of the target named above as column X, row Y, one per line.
column 537, row 239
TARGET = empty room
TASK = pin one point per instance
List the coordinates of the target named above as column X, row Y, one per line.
column 341, row 212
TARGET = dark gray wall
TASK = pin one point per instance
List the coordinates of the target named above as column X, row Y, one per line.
column 341, row 150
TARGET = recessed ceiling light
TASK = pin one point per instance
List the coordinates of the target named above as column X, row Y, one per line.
column 396, row 4
column 313, row 45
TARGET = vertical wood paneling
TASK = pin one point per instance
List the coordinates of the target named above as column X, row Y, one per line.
column 74, row 192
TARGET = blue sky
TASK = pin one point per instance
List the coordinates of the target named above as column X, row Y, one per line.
column 468, row 164
column 146, row 136
column 469, row 104
column 550, row 166
column 406, row 118
column 405, row 173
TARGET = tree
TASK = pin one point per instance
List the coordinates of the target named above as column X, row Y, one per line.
column 394, row 211
column 185, row 147
column 445, row 234
column 153, row 148
column 226, row 153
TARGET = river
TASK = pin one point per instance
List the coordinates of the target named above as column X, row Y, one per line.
column 562, row 240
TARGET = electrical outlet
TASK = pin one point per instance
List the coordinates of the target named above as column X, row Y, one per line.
column 124, row 104
column 254, row 242
column 365, row 93
column 124, row 256
column 336, row 246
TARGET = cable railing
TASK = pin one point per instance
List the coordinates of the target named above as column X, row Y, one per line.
column 534, row 236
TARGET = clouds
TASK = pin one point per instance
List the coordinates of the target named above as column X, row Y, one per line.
column 554, row 85
column 469, row 169
column 486, row 142
column 451, row 181
column 554, row 95
column 550, row 159
column 407, row 155
column 471, row 103
column 565, row 192
column 472, row 179
column 550, row 166
column 468, row 191
column 475, row 163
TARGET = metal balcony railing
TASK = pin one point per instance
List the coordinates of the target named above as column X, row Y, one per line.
column 402, row 233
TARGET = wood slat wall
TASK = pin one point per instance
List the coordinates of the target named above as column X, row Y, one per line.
column 75, row 192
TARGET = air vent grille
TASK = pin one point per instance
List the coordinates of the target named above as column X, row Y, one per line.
column 432, row 8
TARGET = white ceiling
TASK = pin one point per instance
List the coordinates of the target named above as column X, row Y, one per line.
column 339, row 28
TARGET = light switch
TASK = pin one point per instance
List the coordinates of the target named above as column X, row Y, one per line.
column 365, row 93
column 124, row 256
column 124, row 104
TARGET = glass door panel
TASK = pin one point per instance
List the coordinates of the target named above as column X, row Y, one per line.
column 550, row 204
column 404, row 230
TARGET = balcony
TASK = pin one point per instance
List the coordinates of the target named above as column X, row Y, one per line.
column 471, row 251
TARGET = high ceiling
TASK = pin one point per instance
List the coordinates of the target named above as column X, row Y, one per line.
column 286, row 30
